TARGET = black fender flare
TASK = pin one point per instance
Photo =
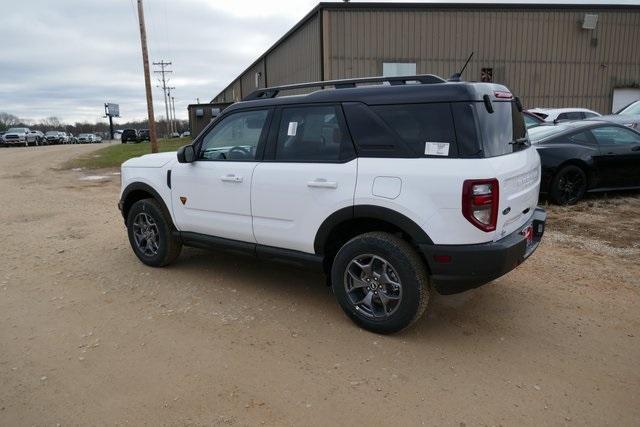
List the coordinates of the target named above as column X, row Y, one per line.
column 124, row 204
column 404, row 223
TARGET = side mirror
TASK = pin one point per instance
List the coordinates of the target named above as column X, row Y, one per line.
column 186, row 154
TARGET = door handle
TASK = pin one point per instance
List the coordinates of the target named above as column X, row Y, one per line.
column 322, row 183
column 231, row 178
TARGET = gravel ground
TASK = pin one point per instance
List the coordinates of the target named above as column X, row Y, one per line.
column 90, row 336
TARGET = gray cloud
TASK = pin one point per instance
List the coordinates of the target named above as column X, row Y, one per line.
column 66, row 58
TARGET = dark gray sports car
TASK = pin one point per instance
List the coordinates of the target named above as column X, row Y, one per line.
column 586, row 155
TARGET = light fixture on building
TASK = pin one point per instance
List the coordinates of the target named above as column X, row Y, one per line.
column 589, row 22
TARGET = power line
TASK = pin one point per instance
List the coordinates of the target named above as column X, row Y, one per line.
column 163, row 70
column 172, row 115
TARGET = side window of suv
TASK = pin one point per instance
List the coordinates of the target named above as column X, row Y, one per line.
column 427, row 128
column 311, row 134
column 236, row 137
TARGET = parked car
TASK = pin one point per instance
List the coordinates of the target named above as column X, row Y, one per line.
column 628, row 116
column 40, row 140
column 97, row 138
column 19, row 136
column 71, row 139
column 531, row 120
column 431, row 184
column 53, row 137
column 174, row 135
column 556, row 115
column 86, row 138
column 129, row 135
column 143, row 135
column 584, row 156
column 185, row 134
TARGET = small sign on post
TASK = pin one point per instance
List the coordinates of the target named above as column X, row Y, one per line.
column 111, row 111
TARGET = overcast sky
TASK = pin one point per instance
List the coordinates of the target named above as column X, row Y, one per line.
column 65, row 58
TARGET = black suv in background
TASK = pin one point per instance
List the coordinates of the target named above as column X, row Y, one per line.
column 129, row 135
column 143, row 135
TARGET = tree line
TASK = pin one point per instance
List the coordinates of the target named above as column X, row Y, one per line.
column 53, row 123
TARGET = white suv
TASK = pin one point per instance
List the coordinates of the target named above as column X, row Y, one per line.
column 392, row 189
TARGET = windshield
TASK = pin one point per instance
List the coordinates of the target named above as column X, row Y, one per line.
column 503, row 131
column 530, row 121
column 52, row 133
column 630, row 110
column 543, row 132
column 17, row 130
column 84, row 135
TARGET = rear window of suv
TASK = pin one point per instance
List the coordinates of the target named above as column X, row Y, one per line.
column 426, row 128
column 501, row 132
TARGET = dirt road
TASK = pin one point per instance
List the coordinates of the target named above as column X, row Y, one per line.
column 88, row 335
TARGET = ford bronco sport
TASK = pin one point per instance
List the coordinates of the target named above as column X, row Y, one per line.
column 393, row 189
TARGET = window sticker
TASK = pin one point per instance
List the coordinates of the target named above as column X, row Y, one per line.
column 293, row 129
column 436, row 148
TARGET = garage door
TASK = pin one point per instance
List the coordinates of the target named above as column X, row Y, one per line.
column 623, row 97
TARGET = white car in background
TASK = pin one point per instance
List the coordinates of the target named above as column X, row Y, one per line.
column 19, row 136
column 86, row 138
column 555, row 115
column 628, row 116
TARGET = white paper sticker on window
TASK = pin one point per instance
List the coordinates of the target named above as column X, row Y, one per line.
column 436, row 148
column 293, row 129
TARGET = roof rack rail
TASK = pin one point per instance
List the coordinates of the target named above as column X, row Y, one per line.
column 272, row 92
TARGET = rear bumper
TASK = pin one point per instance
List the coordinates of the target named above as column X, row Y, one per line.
column 470, row 266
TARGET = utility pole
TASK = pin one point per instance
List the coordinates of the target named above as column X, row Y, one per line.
column 171, row 127
column 162, row 64
column 175, row 121
column 147, row 80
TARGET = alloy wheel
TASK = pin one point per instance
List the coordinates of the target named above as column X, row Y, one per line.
column 373, row 286
column 145, row 234
column 570, row 186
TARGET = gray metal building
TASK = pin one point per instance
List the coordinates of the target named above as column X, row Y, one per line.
column 549, row 55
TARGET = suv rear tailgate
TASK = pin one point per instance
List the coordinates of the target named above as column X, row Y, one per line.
column 518, row 176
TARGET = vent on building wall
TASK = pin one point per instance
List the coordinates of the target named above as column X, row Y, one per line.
column 589, row 22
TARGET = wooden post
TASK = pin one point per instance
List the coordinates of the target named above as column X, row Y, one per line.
column 153, row 141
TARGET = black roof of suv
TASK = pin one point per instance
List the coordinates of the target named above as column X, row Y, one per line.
column 476, row 119
column 433, row 90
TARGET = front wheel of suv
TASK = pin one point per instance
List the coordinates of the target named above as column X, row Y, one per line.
column 380, row 282
column 151, row 234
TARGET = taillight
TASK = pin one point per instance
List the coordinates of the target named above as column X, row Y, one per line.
column 480, row 200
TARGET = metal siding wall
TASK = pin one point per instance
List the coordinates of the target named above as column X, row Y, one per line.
column 248, row 79
column 233, row 93
column 297, row 59
column 542, row 55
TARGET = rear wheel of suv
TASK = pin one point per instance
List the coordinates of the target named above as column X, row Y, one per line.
column 151, row 234
column 568, row 185
column 380, row 282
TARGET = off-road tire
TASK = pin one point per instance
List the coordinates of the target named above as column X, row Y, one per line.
column 411, row 272
column 169, row 246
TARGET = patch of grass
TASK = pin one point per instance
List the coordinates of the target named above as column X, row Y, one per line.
column 114, row 155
